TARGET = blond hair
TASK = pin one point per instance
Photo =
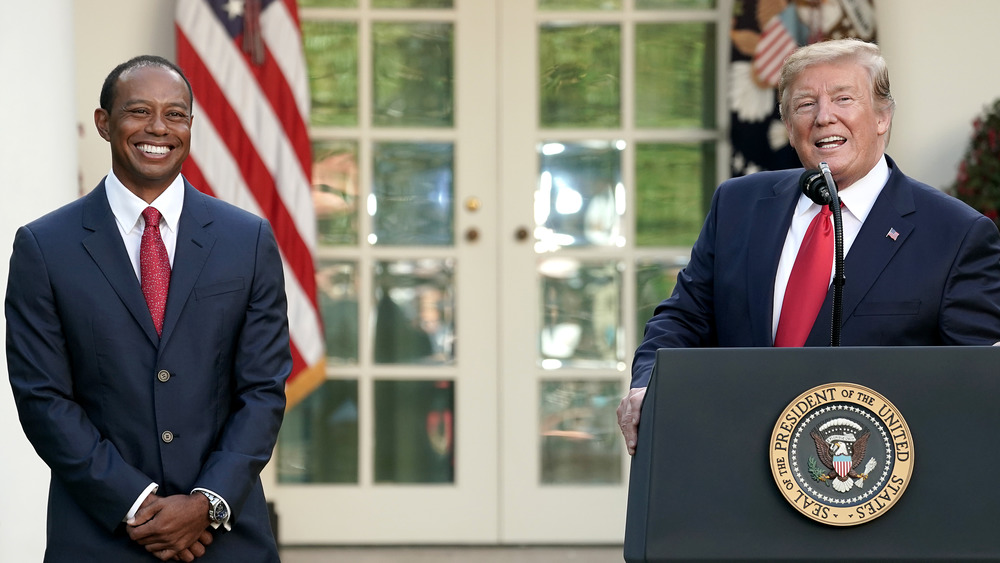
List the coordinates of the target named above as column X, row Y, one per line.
column 861, row 52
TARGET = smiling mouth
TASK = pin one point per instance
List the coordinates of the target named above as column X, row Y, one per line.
column 153, row 149
column 830, row 142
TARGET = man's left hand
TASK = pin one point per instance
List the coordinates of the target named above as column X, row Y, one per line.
column 168, row 527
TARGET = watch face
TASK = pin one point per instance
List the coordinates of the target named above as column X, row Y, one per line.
column 221, row 513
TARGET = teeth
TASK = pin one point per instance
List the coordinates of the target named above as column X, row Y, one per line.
column 153, row 149
column 830, row 140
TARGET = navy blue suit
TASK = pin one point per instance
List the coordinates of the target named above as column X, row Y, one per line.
column 110, row 407
column 936, row 283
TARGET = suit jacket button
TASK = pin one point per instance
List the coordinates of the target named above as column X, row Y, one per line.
column 163, row 375
column 167, row 436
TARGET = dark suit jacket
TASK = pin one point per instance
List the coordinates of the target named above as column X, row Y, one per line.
column 937, row 283
column 97, row 391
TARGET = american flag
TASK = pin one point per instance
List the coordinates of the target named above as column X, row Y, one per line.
column 842, row 465
column 776, row 43
column 250, row 145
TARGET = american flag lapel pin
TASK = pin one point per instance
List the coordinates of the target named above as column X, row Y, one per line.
column 893, row 234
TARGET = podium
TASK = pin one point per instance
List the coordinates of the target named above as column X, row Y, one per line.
column 701, row 486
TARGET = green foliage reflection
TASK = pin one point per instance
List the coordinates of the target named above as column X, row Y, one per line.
column 580, row 73
column 331, row 50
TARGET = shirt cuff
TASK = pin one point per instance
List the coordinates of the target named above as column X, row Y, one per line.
column 225, row 521
column 151, row 489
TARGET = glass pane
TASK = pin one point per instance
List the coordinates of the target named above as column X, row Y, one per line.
column 335, row 191
column 675, row 75
column 412, row 3
column 580, row 441
column 674, row 183
column 682, row 4
column 411, row 203
column 328, row 3
column 580, row 4
column 337, row 286
column 331, row 50
column 580, row 70
column 318, row 441
column 415, row 312
column 581, row 314
column 413, row 74
column 580, row 199
column 414, row 432
column 654, row 282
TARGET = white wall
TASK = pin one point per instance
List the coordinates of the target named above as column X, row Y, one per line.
column 942, row 65
column 102, row 43
column 38, row 146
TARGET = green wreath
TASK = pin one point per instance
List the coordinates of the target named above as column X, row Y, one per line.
column 978, row 181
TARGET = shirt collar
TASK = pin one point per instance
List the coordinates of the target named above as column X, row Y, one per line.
column 128, row 207
column 861, row 196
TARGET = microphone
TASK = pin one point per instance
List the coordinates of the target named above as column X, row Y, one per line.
column 819, row 186
column 813, row 184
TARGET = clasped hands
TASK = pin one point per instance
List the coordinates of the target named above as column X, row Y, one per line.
column 172, row 528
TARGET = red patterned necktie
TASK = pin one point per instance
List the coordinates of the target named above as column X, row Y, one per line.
column 808, row 283
column 154, row 266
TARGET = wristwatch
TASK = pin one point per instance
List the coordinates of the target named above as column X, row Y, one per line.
column 217, row 512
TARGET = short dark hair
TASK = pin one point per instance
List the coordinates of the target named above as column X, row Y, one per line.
column 111, row 82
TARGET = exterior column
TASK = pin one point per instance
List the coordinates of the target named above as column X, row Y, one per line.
column 38, row 162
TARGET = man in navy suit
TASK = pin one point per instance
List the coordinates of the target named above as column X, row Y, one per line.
column 923, row 269
column 155, row 430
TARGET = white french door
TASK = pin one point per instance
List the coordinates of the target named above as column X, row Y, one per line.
column 511, row 192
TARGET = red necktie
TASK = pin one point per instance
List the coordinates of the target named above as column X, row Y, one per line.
column 154, row 267
column 808, row 283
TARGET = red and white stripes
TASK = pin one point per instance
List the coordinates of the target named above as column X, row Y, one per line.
column 250, row 144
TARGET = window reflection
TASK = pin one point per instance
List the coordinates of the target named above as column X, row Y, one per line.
column 580, row 74
column 674, row 183
column 337, row 288
column 655, row 280
column 318, row 442
column 331, row 50
column 579, row 436
column 580, row 199
column 675, row 75
column 412, row 4
column 414, row 432
column 414, row 312
column 581, row 314
column 579, row 4
column 414, row 74
column 683, row 4
column 335, row 191
column 411, row 203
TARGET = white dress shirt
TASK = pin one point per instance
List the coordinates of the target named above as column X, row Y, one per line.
column 857, row 200
column 127, row 209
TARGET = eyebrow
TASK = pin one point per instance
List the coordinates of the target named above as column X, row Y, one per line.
column 140, row 101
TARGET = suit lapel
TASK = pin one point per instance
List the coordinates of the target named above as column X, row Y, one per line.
column 194, row 243
column 871, row 252
column 873, row 249
column 770, row 219
column 105, row 246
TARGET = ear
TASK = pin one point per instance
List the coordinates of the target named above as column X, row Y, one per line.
column 884, row 121
column 101, row 121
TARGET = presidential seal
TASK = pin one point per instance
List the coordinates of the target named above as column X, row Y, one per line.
column 841, row 454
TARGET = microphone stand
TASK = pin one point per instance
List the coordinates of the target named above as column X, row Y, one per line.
column 839, row 279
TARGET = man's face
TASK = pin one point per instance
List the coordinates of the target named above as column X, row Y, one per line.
column 149, row 128
column 832, row 119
